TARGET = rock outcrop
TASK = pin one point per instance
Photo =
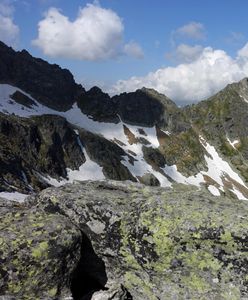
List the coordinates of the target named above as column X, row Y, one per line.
column 99, row 106
column 146, row 107
column 122, row 240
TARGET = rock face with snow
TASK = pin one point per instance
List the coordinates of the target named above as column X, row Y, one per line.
column 223, row 119
column 36, row 149
column 47, row 139
column 121, row 240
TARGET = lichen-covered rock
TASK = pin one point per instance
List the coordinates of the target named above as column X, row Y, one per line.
column 124, row 241
column 38, row 253
column 149, row 179
column 156, row 243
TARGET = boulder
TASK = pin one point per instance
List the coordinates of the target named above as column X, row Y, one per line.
column 122, row 240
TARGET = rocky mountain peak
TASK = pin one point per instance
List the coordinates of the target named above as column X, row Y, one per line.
column 49, row 84
column 243, row 88
column 244, row 81
column 96, row 90
column 145, row 107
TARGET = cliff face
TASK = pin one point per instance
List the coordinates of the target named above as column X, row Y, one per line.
column 121, row 240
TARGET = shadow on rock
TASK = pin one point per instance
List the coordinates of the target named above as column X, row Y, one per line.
column 90, row 275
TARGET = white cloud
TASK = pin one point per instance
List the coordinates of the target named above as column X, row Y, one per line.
column 243, row 52
column 193, row 81
column 6, row 9
column 96, row 34
column 192, row 30
column 9, row 31
column 185, row 53
column 134, row 49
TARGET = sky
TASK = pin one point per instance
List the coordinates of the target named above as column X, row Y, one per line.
column 187, row 50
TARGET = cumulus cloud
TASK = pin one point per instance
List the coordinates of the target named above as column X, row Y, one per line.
column 193, row 81
column 96, row 34
column 185, row 53
column 192, row 30
column 134, row 49
column 243, row 53
column 9, row 31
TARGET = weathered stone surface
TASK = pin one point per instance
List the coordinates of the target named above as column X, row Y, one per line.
column 137, row 242
column 38, row 253
column 149, row 179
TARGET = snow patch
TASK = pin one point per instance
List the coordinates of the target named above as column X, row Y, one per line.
column 232, row 143
column 14, row 196
column 239, row 195
column 89, row 170
column 213, row 190
column 244, row 98
column 173, row 173
column 166, row 132
column 218, row 168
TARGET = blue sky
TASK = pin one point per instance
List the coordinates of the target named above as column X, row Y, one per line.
column 173, row 46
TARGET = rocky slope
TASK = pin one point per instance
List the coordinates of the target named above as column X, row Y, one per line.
column 122, row 240
column 53, row 132
column 223, row 119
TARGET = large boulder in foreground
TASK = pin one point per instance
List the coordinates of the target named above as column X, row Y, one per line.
column 38, row 253
column 135, row 242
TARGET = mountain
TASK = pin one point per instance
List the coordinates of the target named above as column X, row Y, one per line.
column 53, row 132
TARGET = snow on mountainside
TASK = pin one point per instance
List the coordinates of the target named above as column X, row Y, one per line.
column 132, row 139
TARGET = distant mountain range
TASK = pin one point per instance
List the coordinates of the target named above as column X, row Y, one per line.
column 53, row 131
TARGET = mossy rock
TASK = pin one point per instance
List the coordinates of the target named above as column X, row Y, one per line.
column 179, row 243
column 39, row 251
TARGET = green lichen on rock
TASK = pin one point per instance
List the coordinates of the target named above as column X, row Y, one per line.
column 147, row 243
column 36, row 257
column 187, row 242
